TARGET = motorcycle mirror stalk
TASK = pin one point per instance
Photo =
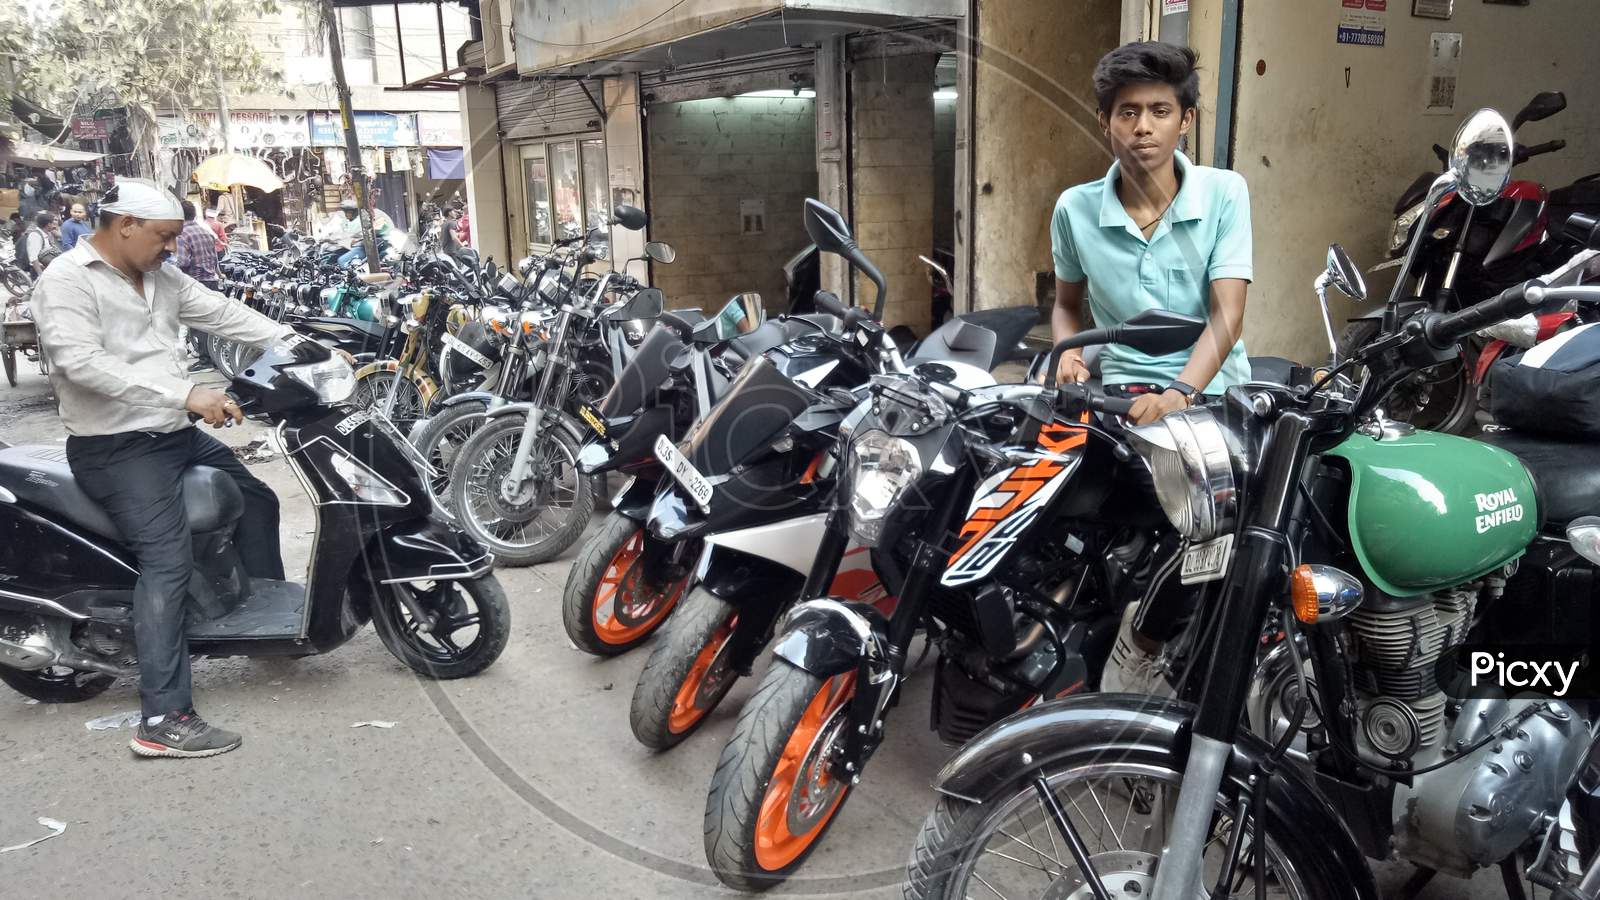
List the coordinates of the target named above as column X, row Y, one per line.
column 1157, row 332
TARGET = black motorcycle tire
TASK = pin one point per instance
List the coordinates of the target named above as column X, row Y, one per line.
column 462, row 417
column 539, row 551
column 956, row 825
column 1459, row 417
column 607, row 548
column 686, row 650
column 749, row 768
column 46, row 688
column 494, row 630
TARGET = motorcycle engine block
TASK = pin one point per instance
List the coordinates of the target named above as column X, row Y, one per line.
column 1480, row 809
column 1397, row 644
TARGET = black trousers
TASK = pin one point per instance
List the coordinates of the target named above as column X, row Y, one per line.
column 137, row 477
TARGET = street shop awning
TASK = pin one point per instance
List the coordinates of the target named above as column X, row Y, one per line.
column 44, row 156
column 614, row 36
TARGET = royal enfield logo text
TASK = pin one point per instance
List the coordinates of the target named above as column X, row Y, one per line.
column 1545, row 676
column 1497, row 508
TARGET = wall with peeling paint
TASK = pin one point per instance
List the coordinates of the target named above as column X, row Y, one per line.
column 1035, row 133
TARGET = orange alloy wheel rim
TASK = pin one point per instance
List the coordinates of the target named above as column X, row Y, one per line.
column 686, row 708
column 625, row 607
column 803, row 768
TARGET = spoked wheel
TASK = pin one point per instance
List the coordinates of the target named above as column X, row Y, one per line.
column 221, row 350
column 1437, row 398
column 9, row 356
column 688, row 673
column 774, row 793
column 372, row 392
column 614, row 597
column 1119, row 805
column 441, row 440
column 57, row 684
column 526, row 522
column 240, row 356
column 443, row 629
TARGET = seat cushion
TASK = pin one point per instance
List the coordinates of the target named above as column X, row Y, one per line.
column 1564, row 472
column 40, row 477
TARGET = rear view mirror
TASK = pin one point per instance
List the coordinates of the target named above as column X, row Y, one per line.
column 630, row 217
column 829, row 232
column 1156, row 332
column 1481, row 157
column 1344, row 274
column 660, row 251
column 741, row 315
column 1544, row 105
column 646, row 304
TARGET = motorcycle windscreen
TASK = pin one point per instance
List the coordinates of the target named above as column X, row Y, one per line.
column 647, row 371
column 753, row 414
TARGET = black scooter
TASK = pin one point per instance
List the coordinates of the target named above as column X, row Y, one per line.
column 380, row 552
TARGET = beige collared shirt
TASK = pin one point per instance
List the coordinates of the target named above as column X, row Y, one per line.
column 116, row 362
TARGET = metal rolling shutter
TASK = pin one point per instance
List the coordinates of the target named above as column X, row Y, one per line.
column 533, row 108
column 782, row 70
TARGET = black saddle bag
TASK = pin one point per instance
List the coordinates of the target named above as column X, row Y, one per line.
column 1553, row 389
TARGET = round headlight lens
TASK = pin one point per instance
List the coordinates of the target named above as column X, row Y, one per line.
column 1192, row 470
column 881, row 468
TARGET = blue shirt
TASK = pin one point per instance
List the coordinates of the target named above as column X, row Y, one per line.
column 71, row 230
column 1205, row 234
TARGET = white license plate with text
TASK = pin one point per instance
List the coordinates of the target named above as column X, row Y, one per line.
column 1207, row 561
column 683, row 473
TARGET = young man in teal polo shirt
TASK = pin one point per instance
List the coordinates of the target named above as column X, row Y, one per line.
column 1157, row 232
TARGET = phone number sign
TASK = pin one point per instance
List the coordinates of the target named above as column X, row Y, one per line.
column 1361, row 22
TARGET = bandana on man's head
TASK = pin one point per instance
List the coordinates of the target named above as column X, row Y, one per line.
column 142, row 200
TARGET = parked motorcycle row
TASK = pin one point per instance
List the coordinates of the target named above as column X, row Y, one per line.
column 1321, row 576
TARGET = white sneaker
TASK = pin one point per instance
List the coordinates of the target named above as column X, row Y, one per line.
column 1130, row 670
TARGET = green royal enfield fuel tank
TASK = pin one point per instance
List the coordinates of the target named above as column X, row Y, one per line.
column 1430, row 511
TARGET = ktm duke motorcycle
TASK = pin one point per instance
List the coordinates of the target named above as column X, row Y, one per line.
column 753, row 484
column 624, row 582
column 1373, row 556
column 1017, row 617
column 379, row 553
column 1466, row 254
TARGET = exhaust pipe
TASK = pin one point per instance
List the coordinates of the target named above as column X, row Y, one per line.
column 40, row 644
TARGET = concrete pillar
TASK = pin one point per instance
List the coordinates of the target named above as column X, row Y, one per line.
column 833, row 175
column 892, row 156
column 486, row 184
column 625, row 166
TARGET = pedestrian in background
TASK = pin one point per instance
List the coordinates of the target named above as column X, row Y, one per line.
column 196, row 256
column 75, row 227
column 40, row 247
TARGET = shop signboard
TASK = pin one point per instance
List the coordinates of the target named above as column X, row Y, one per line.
column 373, row 129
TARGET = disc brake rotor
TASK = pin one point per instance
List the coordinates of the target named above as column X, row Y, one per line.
column 716, row 675
column 1125, row 875
column 815, row 788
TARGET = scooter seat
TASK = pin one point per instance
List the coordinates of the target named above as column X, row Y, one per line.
column 40, row 477
column 1564, row 474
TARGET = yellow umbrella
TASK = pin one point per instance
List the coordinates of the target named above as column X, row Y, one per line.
column 225, row 170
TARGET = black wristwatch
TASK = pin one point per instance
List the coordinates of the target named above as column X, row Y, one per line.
column 1187, row 390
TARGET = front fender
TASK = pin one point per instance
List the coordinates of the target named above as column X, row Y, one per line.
column 1079, row 730
column 425, row 550
column 373, row 368
column 488, row 398
column 564, row 421
column 829, row 636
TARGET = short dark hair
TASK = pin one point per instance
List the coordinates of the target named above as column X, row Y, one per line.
column 188, row 211
column 43, row 219
column 1147, row 62
column 106, row 219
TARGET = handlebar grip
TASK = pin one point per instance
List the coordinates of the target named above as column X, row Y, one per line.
column 855, row 315
column 1445, row 331
column 829, row 302
column 1117, row 406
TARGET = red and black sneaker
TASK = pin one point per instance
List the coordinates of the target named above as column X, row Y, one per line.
column 183, row 735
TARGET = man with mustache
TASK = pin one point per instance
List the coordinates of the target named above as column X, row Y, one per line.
column 108, row 313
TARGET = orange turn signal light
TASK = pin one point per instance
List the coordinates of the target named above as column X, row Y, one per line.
column 1321, row 593
column 1303, row 594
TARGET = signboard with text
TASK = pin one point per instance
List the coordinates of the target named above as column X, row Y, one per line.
column 373, row 129
column 1362, row 22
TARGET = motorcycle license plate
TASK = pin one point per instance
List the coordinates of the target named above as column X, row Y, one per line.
column 595, row 422
column 1207, row 561
column 683, row 473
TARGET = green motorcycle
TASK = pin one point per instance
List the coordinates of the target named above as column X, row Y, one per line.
column 1346, row 686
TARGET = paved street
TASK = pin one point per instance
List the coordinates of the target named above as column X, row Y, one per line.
column 523, row 782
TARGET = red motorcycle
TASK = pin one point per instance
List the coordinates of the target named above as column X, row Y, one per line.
column 1468, row 254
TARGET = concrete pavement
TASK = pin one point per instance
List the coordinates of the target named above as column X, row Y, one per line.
column 522, row 782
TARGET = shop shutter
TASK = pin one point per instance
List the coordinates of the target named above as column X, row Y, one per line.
column 783, row 70
column 533, row 108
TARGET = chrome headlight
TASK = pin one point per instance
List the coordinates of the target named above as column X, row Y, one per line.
column 364, row 484
column 332, row 380
column 881, row 468
column 1401, row 232
column 1193, row 471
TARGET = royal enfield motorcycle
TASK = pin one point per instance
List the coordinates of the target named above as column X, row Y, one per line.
column 379, row 554
column 1326, row 710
